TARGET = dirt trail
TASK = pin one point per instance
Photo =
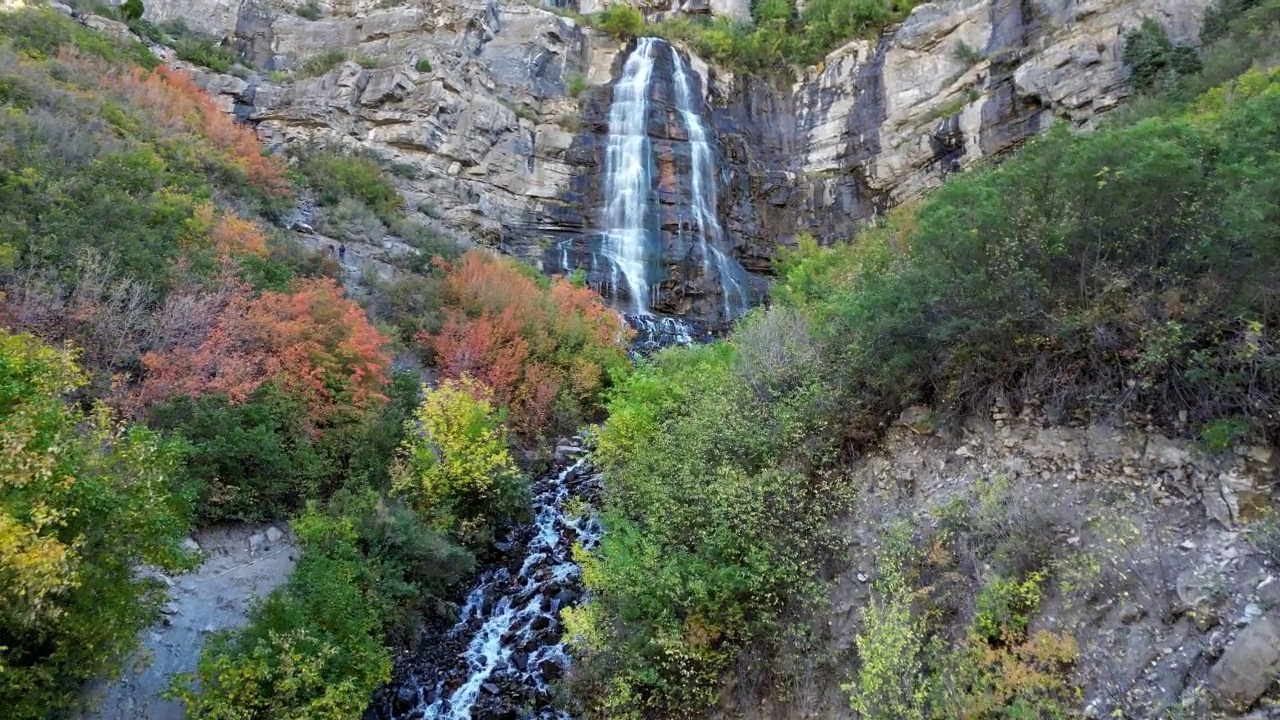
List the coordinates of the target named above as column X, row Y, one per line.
column 241, row 562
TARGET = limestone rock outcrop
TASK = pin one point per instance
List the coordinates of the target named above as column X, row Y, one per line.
column 881, row 122
column 1248, row 667
column 499, row 107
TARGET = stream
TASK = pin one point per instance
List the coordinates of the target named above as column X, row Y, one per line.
column 499, row 660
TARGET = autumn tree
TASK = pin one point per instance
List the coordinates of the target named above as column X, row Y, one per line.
column 456, row 467
column 312, row 341
column 83, row 501
column 180, row 106
column 546, row 350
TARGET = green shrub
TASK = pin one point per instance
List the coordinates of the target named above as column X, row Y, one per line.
column 429, row 243
column 205, row 51
column 430, row 209
column 310, row 10
column 619, row 20
column 891, row 681
column 336, row 175
column 370, row 570
column 1220, row 16
column 1004, row 607
column 991, row 283
column 318, row 65
column 40, row 32
column 404, row 171
column 1152, row 58
column 712, row 531
column 250, row 461
column 779, row 38
column 966, row 54
column 83, row 503
column 575, row 84
column 350, row 220
column 423, row 65
column 457, row 468
column 1224, row 434
column 131, row 10
column 313, row 649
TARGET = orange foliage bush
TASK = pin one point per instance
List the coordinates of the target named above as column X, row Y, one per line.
column 539, row 350
column 176, row 103
column 230, row 234
column 313, row 341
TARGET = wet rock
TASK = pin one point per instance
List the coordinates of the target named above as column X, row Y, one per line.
column 404, row 699
column 1248, row 666
column 550, row 669
column 491, row 688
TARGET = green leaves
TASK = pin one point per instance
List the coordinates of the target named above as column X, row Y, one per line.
column 711, row 531
column 83, row 501
column 1153, row 58
column 456, row 467
column 1139, row 252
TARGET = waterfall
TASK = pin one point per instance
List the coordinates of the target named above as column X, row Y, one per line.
column 631, row 241
column 627, row 181
column 716, row 261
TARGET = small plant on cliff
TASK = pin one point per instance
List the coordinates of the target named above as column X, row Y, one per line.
column 320, row 64
column 423, row 66
column 619, row 20
column 310, row 10
column 1153, row 59
column 131, row 10
column 966, row 54
column 575, row 84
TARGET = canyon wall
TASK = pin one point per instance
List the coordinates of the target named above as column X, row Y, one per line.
column 499, row 109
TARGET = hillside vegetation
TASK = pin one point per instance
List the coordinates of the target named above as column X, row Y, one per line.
column 170, row 357
column 1128, row 270
column 777, row 37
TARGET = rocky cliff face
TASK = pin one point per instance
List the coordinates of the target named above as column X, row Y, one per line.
column 881, row 122
column 504, row 154
column 1166, row 569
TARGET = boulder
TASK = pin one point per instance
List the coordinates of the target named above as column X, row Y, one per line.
column 1164, row 452
column 1233, row 498
column 404, row 699
column 1248, row 667
column 387, row 85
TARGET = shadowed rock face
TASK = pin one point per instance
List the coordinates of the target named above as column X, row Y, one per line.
column 505, row 156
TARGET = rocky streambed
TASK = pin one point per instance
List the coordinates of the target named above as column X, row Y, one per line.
column 502, row 655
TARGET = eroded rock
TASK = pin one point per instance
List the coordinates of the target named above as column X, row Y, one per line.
column 1249, row 666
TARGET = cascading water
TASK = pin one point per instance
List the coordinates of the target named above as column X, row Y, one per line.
column 501, row 655
column 627, row 185
column 716, row 260
column 629, row 259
